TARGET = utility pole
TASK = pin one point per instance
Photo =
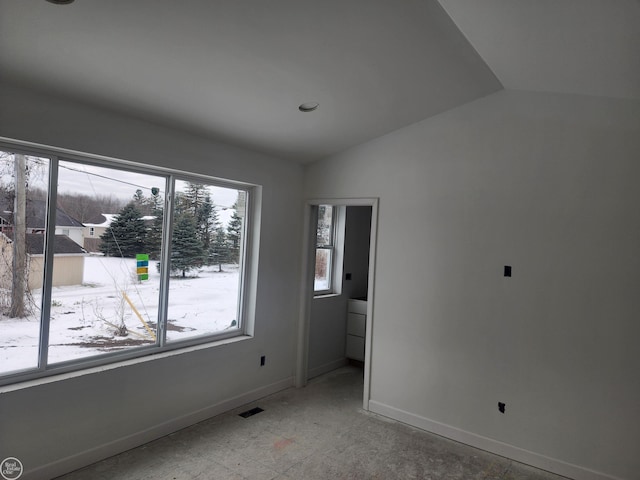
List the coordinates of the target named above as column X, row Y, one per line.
column 19, row 239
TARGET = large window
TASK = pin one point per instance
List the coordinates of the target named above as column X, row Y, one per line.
column 161, row 267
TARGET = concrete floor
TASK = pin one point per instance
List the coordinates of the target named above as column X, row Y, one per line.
column 317, row 432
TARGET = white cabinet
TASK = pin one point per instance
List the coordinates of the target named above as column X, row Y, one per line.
column 356, row 327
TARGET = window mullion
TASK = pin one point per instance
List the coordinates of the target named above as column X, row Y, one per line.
column 165, row 260
column 49, row 250
column 331, row 269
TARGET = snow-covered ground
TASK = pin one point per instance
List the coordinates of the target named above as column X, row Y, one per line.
column 85, row 319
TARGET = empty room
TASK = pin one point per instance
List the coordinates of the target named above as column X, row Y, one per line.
column 416, row 222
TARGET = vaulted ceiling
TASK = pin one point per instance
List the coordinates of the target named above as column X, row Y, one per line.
column 238, row 70
column 588, row 47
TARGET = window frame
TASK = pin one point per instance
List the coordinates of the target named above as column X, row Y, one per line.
column 247, row 263
column 328, row 247
column 335, row 249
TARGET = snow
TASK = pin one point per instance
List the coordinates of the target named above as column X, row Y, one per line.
column 84, row 318
column 109, row 217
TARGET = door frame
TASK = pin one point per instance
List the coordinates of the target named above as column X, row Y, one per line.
column 306, row 292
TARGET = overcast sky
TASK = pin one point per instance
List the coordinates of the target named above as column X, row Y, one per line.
column 91, row 180
column 98, row 181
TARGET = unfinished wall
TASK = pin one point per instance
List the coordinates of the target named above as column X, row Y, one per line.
column 71, row 420
column 356, row 250
column 547, row 184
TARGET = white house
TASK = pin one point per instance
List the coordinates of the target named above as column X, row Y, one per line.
column 94, row 229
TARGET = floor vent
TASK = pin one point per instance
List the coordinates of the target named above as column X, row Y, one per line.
column 251, row 412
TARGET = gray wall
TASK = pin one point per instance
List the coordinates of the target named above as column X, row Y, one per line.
column 74, row 419
column 549, row 185
column 356, row 250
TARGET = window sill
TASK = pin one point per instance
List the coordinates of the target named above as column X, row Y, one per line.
column 326, row 295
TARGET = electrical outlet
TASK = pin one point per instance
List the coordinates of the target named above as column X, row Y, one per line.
column 507, row 270
column 501, row 407
column 263, row 359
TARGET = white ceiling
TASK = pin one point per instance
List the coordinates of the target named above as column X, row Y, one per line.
column 589, row 47
column 236, row 70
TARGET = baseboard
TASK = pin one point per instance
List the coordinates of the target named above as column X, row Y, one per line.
column 87, row 457
column 326, row 368
column 494, row 446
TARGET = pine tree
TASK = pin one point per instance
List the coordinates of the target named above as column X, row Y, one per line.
column 125, row 237
column 194, row 195
column 206, row 221
column 138, row 199
column 187, row 252
column 196, row 200
column 204, row 212
column 220, row 248
column 146, row 204
column 154, row 234
column 234, row 231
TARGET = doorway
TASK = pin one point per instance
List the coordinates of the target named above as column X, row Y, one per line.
column 355, row 280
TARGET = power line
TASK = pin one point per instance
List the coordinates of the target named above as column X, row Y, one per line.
column 108, row 178
column 223, row 207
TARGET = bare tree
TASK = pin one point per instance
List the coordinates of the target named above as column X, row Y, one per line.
column 19, row 286
column 86, row 208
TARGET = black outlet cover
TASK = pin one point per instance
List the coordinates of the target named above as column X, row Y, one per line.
column 501, row 407
column 507, row 270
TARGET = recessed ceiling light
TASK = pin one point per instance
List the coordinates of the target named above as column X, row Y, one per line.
column 61, row 2
column 308, row 107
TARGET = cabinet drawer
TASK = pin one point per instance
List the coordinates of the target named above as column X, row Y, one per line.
column 355, row 347
column 356, row 324
column 357, row 306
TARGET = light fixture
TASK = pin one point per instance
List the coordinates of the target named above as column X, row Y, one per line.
column 61, row 2
column 308, row 107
